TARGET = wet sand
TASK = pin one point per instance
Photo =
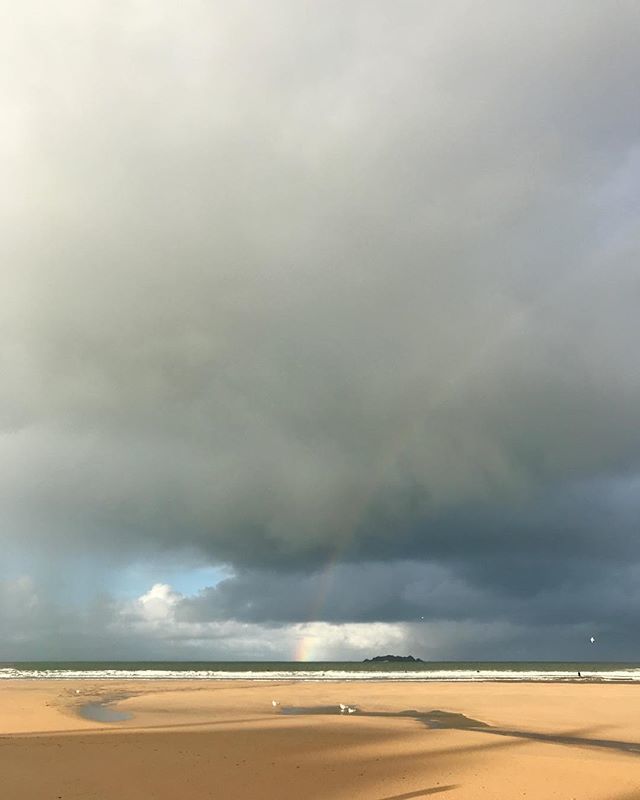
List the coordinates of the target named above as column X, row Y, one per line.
column 197, row 740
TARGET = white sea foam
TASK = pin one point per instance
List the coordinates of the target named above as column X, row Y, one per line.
column 461, row 675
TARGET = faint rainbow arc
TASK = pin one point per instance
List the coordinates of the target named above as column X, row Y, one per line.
column 514, row 322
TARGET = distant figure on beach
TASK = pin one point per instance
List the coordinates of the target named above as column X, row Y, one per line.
column 579, row 674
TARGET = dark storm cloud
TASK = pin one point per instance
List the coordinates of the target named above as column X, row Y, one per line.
column 367, row 592
column 534, row 608
column 543, row 590
column 297, row 279
column 569, row 562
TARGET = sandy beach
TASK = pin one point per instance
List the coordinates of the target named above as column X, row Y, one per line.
column 197, row 740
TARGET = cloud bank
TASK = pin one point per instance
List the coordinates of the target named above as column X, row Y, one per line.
column 298, row 284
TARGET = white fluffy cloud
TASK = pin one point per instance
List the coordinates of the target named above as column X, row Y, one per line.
column 154, row 626
column 155, row 615
column 158, row 604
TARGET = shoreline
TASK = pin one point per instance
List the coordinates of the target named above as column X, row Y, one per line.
column 424, row 672
column 332, row 681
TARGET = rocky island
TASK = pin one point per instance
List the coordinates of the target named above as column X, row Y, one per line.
column 389, row 658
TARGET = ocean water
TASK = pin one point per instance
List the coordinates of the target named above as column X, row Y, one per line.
column 323, row 671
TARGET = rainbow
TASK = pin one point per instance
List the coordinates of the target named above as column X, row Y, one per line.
column 307, row 644
column 304, row 650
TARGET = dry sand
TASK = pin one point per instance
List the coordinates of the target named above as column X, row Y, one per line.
column 224, row 740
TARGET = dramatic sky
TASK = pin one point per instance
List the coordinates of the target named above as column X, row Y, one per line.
column 320, row 329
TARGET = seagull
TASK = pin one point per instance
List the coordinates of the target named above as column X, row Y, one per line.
column 351, row 710
column 77, row 691
column 592, row 639
column 343, row 708
column 275, row 703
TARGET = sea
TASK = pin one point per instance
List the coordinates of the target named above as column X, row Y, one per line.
column 470, row 671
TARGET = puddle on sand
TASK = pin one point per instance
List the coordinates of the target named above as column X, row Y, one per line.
column 304, row 710
column 447, row 720
column 432, row 719
column 98, row 712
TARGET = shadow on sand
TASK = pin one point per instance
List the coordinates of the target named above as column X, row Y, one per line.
column 446, row 720
column 422, row 793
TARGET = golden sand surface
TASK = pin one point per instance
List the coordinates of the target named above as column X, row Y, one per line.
column 194, row 740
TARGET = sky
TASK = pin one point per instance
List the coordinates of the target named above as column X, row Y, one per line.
column 319, row 330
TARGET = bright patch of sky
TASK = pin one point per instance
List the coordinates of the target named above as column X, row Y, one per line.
column 620, row 202
column 136, row 578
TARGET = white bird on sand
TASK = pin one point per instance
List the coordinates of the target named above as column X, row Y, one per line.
column 343, row 708
column 275, row 703
column 592, row 640
column 77, row 691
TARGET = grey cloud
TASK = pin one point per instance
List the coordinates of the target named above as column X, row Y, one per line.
column 161, row 625
column 366, row 592
column 539, row 608
column 37, row 623
column 295, row 280
column 535, row 591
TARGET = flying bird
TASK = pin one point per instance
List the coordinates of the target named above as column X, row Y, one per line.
column 275, row 703
column 592, row 639
column 342, row 707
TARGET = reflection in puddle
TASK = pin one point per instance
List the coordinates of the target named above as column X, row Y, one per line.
column 432, row 719
column 446, row 719
column 305, row 710
column 98, row 712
